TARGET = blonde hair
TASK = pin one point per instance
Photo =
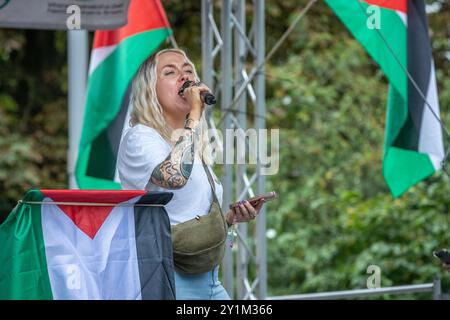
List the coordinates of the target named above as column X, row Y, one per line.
column 148, row 111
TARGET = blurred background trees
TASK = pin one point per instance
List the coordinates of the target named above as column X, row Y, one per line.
column 335, row 216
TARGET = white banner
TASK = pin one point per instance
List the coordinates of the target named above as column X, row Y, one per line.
column 63, row 14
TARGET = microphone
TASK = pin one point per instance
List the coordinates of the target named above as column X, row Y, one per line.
column 207, row 97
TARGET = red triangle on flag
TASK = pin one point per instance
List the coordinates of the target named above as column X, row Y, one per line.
column 143, row 15
column 399, row 5
column 89, row 219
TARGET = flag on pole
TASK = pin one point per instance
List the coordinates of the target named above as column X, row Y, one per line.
column 399, row 43
column 115, row 58
column 72, row 244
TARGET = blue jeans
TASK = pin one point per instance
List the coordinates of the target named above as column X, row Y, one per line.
column 205, row 286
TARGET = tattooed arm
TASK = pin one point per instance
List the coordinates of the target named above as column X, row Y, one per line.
column 175, row 170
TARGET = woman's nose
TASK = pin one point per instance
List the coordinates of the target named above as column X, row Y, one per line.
column 184, row 78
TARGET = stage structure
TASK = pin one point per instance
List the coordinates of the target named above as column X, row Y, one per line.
column 233, row 67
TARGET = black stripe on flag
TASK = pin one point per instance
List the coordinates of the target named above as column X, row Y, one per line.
column 154, row 248
column 103, row 154
column 419, row 66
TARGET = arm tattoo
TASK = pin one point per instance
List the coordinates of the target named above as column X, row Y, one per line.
column 175, row 170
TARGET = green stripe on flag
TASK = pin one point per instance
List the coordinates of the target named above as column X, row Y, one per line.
column 397, row 169
column 394, row 31
column 388, row 46
column 23, row 265
column 402, row 168
column 106, row 89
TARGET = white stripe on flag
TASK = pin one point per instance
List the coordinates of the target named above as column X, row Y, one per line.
column 430, row 137
column 98, row 55
column 403, row 16
column 79, row 267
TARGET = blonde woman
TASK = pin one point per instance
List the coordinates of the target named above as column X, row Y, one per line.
column 163, row 149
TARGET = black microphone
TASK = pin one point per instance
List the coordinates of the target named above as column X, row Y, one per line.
column 207, row 97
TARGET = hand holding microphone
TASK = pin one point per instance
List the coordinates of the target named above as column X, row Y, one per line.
column 206, row 96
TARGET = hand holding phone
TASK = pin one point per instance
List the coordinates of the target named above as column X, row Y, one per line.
column 255, row 200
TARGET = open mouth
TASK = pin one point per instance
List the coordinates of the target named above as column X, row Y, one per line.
column 183, row 87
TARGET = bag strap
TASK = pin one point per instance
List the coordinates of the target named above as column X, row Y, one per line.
column 211, row 182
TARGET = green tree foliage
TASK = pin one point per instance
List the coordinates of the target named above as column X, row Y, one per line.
column 335, row 216
column 33, row 113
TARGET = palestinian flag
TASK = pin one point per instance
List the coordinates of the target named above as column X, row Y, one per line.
column 116, row 56
column 72, row 244
column 413, row 139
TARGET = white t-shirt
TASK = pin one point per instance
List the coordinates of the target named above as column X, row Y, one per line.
column 142, row 148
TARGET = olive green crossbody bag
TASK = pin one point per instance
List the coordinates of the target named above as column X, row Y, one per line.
column 199, row 243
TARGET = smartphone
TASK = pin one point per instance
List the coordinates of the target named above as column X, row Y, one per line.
column 442, row 255
column 254, row 201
